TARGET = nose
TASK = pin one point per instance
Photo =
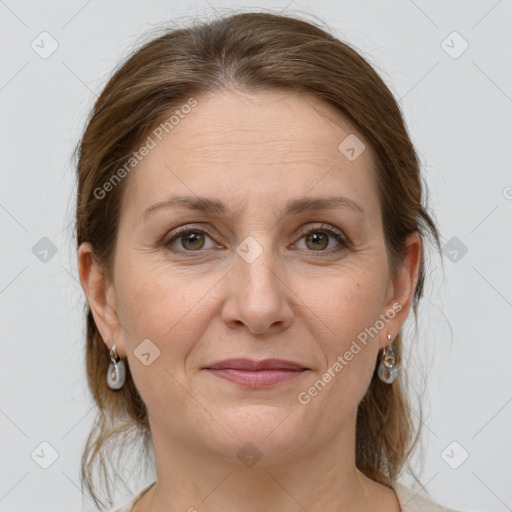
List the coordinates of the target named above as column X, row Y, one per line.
column 257, row 294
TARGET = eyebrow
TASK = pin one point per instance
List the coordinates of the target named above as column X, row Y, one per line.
column 293, row 207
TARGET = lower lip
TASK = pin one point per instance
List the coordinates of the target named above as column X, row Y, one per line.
column 257, row 378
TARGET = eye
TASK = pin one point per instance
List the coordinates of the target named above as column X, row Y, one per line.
column 317, row 239
column 190, row 239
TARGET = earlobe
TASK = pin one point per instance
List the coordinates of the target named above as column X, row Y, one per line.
column 100, row 295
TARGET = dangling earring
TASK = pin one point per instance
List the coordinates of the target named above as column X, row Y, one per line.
column 388, row 368
column 116, row 372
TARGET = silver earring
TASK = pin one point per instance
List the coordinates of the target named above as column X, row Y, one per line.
column 116, row 372
column 388, row 367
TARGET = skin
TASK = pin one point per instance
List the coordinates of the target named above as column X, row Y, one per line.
column 253, row 152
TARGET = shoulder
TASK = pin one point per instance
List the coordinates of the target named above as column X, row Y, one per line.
column 127, row 507
column 414, row 501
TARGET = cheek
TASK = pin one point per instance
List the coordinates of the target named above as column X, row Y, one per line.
column 347, row 308
column 350, row 353
column 168, row 308
column 158, row 335
column 348, row 314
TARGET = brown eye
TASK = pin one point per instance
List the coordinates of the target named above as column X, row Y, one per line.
column 190, row 240
column 193, row 240
column 317, row 240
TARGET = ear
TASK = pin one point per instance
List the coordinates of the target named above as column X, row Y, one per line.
column 101, row 297
column 400, row 291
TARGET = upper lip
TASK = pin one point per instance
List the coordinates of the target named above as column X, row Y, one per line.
column 249, row 364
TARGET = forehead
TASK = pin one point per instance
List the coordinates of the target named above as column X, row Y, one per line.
column 275, row 125
column 269, row 145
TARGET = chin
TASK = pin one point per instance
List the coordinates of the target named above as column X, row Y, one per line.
column 265, row 434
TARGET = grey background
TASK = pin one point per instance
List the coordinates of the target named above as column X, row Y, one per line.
column 458, row 110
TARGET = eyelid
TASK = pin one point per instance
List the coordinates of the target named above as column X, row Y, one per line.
column 323, row 227
column 189, row 227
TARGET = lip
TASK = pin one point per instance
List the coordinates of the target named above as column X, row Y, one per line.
column 251, row 365
column 256, row 378
column 257, row 374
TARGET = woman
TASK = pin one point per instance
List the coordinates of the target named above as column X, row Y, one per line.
column 250, row 224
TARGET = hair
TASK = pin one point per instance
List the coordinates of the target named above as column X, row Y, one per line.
column 253, row 52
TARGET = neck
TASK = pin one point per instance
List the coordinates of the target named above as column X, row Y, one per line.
column 311, row 478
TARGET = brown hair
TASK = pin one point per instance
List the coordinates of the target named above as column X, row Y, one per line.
column 253, row 51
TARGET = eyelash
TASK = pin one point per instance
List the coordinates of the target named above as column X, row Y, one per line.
column 324, row 228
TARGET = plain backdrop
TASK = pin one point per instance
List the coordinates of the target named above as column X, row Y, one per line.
column 449, row 65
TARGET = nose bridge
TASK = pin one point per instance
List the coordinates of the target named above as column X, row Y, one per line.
column 256, row 261
column 258, row 298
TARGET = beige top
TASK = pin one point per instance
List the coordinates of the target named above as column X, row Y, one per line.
column 410, row 501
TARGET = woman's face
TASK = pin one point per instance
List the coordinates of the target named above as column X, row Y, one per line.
column 260, row 274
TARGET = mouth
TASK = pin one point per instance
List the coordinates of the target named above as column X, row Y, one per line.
column 257, row 374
